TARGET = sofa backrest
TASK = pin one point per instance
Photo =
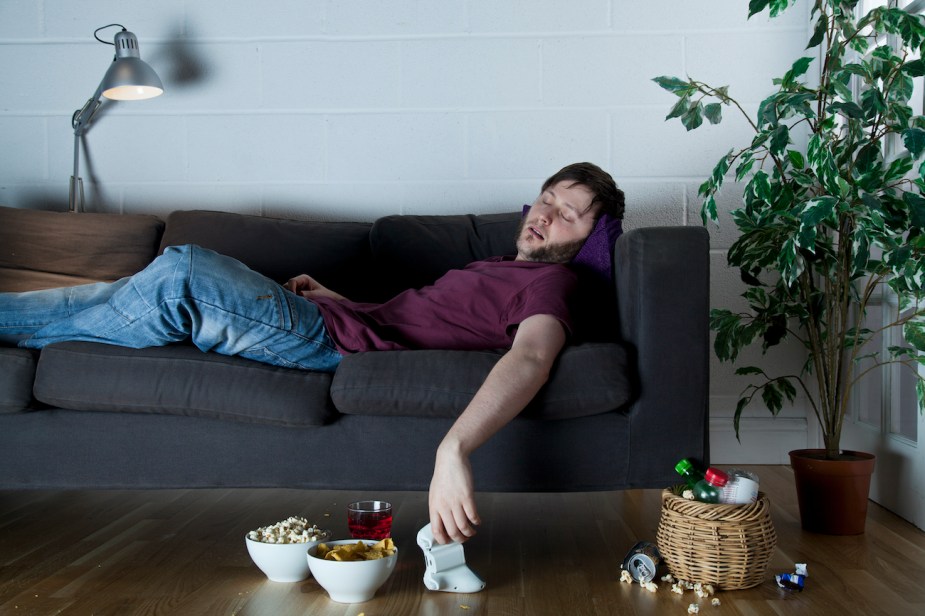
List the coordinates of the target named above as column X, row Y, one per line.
column 42, row 249
column 335, row 253
column 413, row 251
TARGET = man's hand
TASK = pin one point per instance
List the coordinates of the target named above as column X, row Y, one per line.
column 451, row 500
column 509, row 387
column 308, row 287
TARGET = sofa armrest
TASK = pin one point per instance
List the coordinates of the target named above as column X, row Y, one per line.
column 663, row 292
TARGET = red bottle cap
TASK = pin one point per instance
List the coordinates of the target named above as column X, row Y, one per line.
column 716, row 477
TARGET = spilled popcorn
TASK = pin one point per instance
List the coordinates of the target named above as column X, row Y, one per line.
column 703, row 591
column 291, row 530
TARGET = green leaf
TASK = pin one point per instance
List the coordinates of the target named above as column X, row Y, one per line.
column 915, row 68
column 744, row 167
column 790, row 262
column 772, row 398
column 916, row 205
column 693, row 117
column 776, row 331
column 761, row 185
column 673, row 84
column 822, row 162
column 720, row 170
column 780, row 138
column 779, row 6
column 796, row 159
column 872, row 102
column 868, row 160
column 914, row 333
column 680, row 108
column 898, row 169
column 713, row 113
column 708, row 209
column 914, row 140
column 849, row 109
column 818, row 32
column 861, row 250
column 746, row 370
column 799, row 68
column 756, row 6
column 815, row 211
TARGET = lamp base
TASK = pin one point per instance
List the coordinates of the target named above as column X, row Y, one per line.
column 75, row 199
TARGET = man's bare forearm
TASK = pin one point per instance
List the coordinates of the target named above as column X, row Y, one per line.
column 507, row 390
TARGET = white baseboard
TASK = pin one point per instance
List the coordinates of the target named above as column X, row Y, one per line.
column 763, row 440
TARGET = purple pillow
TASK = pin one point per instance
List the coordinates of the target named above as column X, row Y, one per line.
column 597, row 253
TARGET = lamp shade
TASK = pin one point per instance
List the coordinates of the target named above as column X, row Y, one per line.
column 129, row 78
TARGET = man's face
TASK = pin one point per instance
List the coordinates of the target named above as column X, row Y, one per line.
column 557, row 225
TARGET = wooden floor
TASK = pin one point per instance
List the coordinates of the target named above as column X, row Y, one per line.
column 182, row 552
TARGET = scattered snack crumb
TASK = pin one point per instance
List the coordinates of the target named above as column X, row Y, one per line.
column 650, row 586
column 693, row 608
column 677, row 588
column 715, row 602
column 668, row 578
column 688, row 494
column 626, row 577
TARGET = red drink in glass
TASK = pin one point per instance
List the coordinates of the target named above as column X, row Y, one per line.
column 369, row 520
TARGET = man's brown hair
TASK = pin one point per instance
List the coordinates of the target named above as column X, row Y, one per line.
column 599, row 182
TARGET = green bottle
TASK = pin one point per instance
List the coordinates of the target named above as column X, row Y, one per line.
column 710, row 488
column 690, row 473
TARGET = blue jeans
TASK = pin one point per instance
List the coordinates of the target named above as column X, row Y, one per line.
column 188, row 292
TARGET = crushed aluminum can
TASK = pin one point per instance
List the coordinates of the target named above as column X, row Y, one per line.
column 791, row 581
column 642, row 562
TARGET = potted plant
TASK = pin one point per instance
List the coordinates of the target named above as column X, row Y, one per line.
column 827, row 226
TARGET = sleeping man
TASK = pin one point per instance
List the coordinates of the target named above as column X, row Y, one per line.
column 518, row 302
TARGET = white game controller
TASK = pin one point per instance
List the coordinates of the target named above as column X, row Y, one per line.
column 446, row 566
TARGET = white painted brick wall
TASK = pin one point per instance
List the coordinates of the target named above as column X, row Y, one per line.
column 336, row 109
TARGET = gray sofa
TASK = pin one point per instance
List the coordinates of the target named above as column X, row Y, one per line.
column 627, row 399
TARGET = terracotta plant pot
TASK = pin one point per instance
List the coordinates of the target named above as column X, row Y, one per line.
column 832, row 494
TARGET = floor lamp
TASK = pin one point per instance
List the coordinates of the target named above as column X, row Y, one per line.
column 129, row 78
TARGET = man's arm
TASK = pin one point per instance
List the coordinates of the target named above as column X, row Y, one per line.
column 308, row 287
column 509, row 387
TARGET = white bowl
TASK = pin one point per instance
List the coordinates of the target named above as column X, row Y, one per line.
column 351, row 581
column 282, row 562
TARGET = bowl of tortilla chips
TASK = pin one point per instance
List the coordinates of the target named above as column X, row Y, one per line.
column 352, row 570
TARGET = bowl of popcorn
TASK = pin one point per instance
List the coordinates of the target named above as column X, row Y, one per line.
column 351, row 571
column 279, row 549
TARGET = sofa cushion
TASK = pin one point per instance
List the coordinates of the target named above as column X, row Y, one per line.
column 179, row 380
column 335, row 253
column 441, row 383
column 75, row 248
column 17, row 371
column 414, row 251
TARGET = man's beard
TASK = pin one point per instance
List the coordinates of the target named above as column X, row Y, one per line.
column 548, row 253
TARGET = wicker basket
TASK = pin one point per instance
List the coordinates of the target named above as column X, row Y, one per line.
column 728, row 546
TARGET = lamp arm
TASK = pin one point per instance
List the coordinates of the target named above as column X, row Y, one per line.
column 80, row 121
